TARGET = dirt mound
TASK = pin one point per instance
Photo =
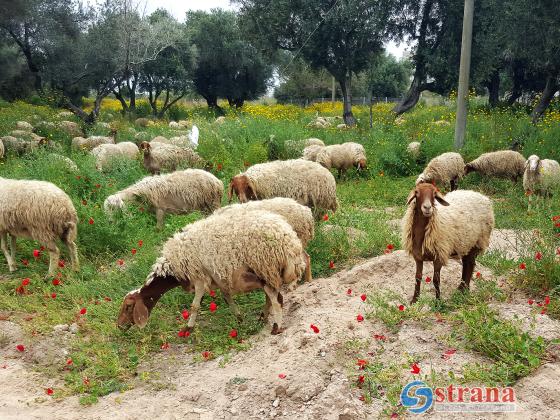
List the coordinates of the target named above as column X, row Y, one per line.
column 247, row 385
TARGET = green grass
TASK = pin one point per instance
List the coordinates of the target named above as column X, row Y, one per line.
column 108, row 358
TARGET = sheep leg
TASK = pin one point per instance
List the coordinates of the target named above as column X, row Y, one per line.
column 195, row 306
column 339, row 173
column 232, row 305
column 418, row 277
column 73, row 250
column 453, row 183
column 54, row 255
column 437, row 272
column 160, row 215
column 276, row 309
column 266, row 311
column 469, row 262
column 307, row 276
column 9, row 257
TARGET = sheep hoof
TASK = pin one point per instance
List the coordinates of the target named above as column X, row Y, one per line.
column 276, row 330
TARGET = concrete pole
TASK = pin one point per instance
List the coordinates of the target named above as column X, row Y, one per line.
column 464, row 70
column 333, row 90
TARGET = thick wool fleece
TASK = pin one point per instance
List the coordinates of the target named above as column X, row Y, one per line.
column 413, row 149
column 443, row 168
column 501, row 164
column 81, row 143
column 299, row 217
column 455, row 229
column 310, row 152
column 104, row 153
column 341, row 156
column 164, row 156
column 178, row 192
column 545, row 178
column 306, row 182
column 213, row 249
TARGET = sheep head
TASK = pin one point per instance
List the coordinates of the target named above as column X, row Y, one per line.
column 243, row 187
column 145, row 147
column 133, row 311
column 361, row 164
column 426, row 195
column 469, row 168
column 533, row 163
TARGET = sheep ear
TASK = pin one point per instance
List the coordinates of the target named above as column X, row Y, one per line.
column 140, row 313
column 411, row 196
column 230, row 191
column 253, row 188
column 440, row 199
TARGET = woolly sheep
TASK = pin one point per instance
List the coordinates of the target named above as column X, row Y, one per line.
column 541, row 176
column 296, row 147
column 167, row 157
column 312, row 141
column 39, row 211
column 176, row 193
column 299, row 217
column 306, row 182
column 231, row 252
column 342, row 156
column 71, row 128
column 500, row 164
column 20, row 146
column 24, row 125
column 104, row 153
column 447, row 168
column 310, row 152
column 26, row 135
column 413, row 149
column 142, row 122
column 180, row 141
column 460, row 226
column 81, row 143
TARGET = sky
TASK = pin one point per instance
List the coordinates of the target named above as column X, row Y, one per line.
column 179, row 7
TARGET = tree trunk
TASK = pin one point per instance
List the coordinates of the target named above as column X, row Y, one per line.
column 212, row 102
column 517, row 89
column 494, row 89
column 346, row 87
column 231, row 101
column 121, row 99
column 169, row 105
column 550, row 90
column 239, row 102
column 411, row 97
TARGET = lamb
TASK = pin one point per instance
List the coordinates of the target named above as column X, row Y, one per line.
column 299, row 217
column 310, row 152
column 443, row 169
column 40, row 211
column 460, row 226
column 81, row 143
column 306, row 182
column 541, row 176
column 229, row 251
column 500, row 164
column 104, row 153
column 343, row 156
column 177, row 193
column 167, row 157
column 413, row 149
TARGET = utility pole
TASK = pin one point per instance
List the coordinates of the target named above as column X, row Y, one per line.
column 333, row 90
column 464, row 70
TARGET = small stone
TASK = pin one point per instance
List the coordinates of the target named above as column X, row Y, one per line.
column 322, row 354
column 280, row 390
column 276, row 402
column 73, row 328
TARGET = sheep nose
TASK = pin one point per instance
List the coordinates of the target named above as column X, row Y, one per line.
column 426, row 208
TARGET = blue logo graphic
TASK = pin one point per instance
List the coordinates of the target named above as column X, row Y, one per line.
column 417, row 397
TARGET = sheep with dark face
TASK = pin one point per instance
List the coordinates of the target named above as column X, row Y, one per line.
column 458, row 226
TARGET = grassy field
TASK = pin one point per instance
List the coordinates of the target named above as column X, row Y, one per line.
column 116, row 256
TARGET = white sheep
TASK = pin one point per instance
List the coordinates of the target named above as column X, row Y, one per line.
column 500, row 164
column 167, row 157
column 460, row 226
column 39, row 211
column 310, row 152
column 70, row 128
column 342, row 156
column 20, row 146
column 447, row 168
column 26, row 135
column 299, row 217
column 89, row 143
column 232, row 252
column 295, row 147
column 179, row 192
column 105, row 153
column 143, row 122
column 306, row 182
column 24, row 125
column 413, row 149
column 541, row 177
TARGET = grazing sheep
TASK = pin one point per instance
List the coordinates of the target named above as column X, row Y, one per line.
column 24, row 126
column 179, row 192
column 310, row 152
column 26, row 135
column 142, row 122
column 447, row 168
column 167, row 157
column 104, row 153
column 413, row 149
column 460, row 226
column 39, row 211
column 71, row 128
column 306, row 182
column 500, row 164
column 343, row 156
column 81, row 143
column 296, row 147
column 179, row 141
column 319, row 122
column 299, row 217
column 20, row 146
column 541, row 176
column 232, row 252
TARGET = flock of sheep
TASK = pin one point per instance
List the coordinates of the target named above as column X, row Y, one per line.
column 260, row 243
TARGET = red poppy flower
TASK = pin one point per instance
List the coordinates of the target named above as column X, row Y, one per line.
column 428, row 279
column 394, row 416
column 56, row 282
column 141, row 209
column 359, row 318
column 90, row 221
column 133, row 251
column 212, row 293
column 181, row 333
column 538, row 256
column 325, row 217
column 86, row 381
column 49, row 391
column 206, row 354
column 415, row 369
column 362, row 398
column 41, row 248
column 36, row 253
column 390, row 247
column 20, row 290
column 213, row 306
column 107, row 299
column 233, row 333
column 61, row 264
column 555, row 218
column 120, row 261
column 522, row 266
column 331, row 264
column 53, row 295
column 97, row 185
column 185, row 314
column 557, row 225
column 547, row 300
column 401, row 307
column 282, row 375
column 478, row 275
column 78, row 177
column 362, row 363
column 543, row 311
column 69, row 362
column 83, row 311
column 25, row 262
column 20, row 347
column 25, row 282
column 349, row 292
column 314, row 328
column 361, row 379
column 219, row 167
column 530, row 301
column 164, row 346
column 557, row 251
column 140, row 243
column 363, row 297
